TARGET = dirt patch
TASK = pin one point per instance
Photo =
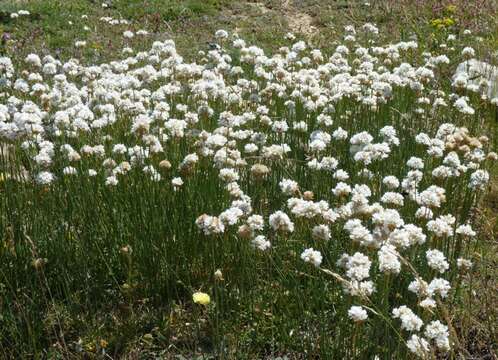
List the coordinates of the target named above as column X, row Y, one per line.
column 261, row 7
column 298, row 21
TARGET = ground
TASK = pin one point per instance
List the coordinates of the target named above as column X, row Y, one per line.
column 53, row 26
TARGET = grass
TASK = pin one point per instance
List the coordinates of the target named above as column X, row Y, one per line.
column 55, row 25
column 88, row 269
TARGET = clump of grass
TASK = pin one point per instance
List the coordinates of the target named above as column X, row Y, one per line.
column 307, row 192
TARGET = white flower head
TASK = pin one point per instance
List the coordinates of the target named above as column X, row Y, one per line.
column 357, row 314
column 312, row 256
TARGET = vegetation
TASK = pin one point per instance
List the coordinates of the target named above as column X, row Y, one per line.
column 303, row 185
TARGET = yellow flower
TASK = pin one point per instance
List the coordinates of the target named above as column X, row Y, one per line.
column 448, row 21
column 451, row 8
column 436, row 22
column 201, row 298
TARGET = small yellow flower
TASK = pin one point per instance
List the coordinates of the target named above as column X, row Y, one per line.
column 436, row 22
column 201, row 298
column 451, row 8
column 442, row 23
column 103, row 344
column 448, row 21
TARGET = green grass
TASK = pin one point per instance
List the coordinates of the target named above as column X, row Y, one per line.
column 70, row 286
column 55, row 25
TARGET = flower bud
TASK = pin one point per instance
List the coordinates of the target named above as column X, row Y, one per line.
column 165, row 164
column 308, row 195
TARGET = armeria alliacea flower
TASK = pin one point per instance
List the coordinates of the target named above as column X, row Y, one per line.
column 357, row 314
column 312, row 256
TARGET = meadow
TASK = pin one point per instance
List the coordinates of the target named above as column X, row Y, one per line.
column 240, row 180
